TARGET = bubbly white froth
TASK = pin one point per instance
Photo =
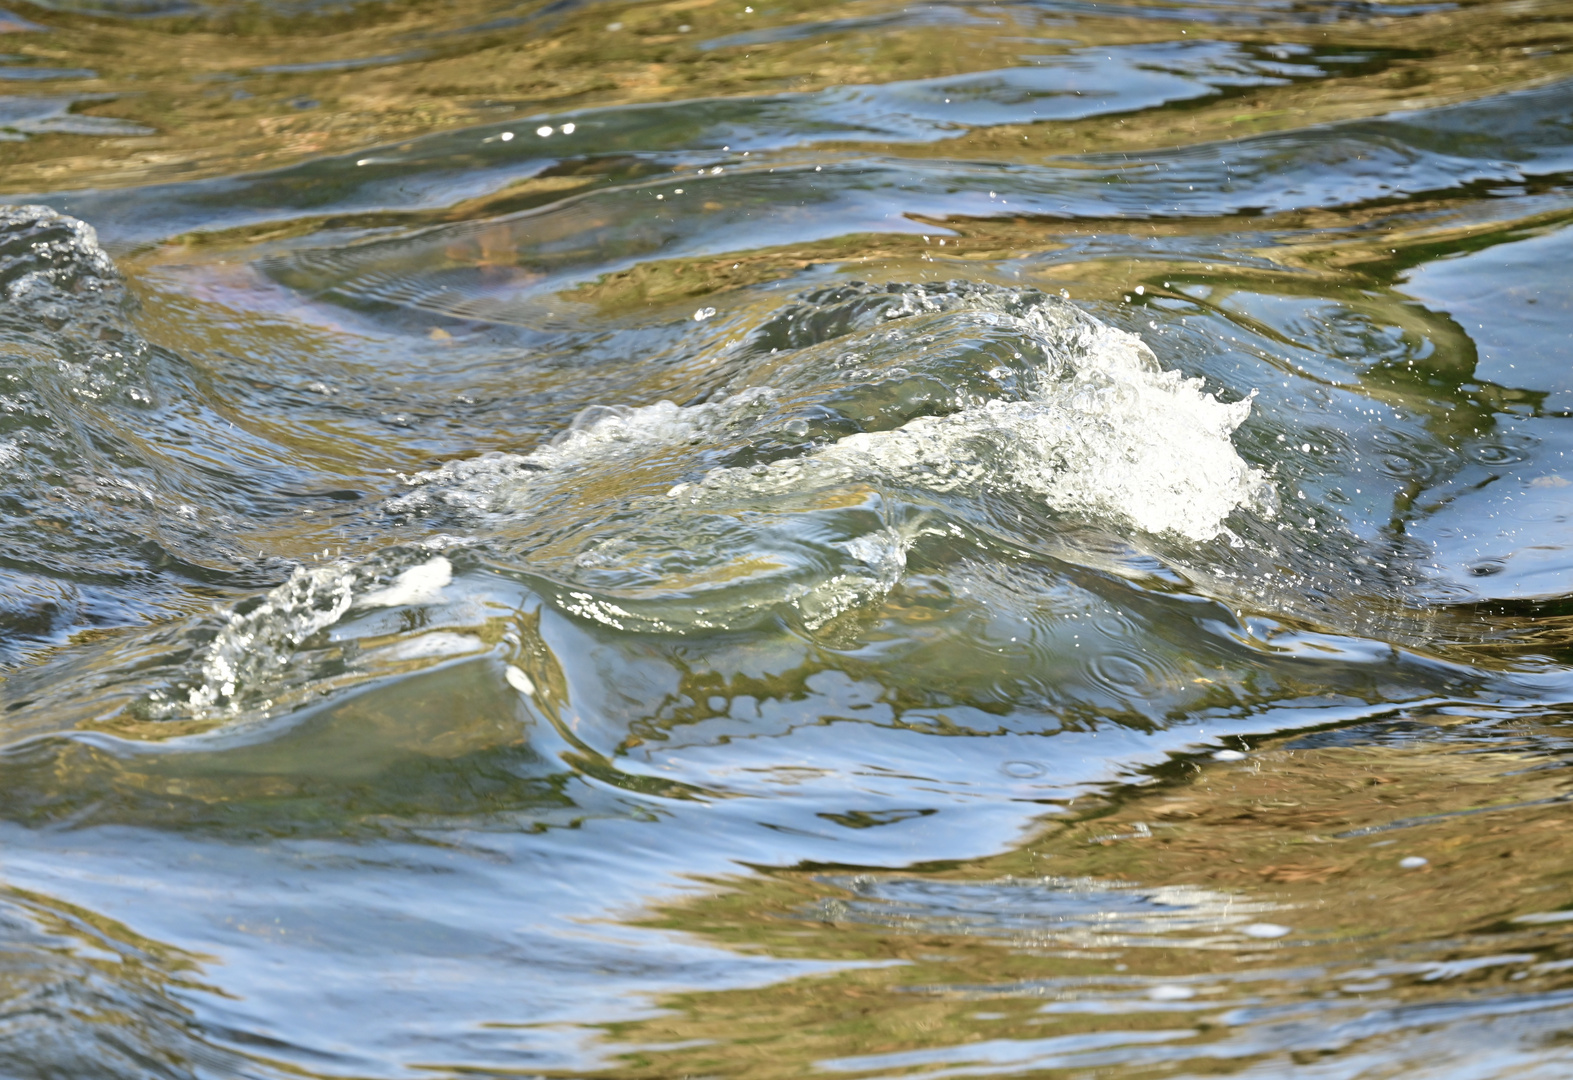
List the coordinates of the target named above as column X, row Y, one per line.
column 601, row 437
column 629, row 516
column 1110, row 436
column 421, row 584
column 1118, row 439
column 255, row 649
column 1074, row 415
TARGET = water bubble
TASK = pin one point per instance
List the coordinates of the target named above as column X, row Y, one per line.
column 1122, row 674
column 544, row 130
column 1413, row 862
column 519, row 681
column 1264, row 930
column 1169, row 992
column 506, row 136
column 1023, row 770
column 1507, row 450
column 704, row 313
column 1228, row 755
column 568, row 129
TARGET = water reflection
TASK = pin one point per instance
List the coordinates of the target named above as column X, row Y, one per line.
column 635, row 539
column 1273, row 943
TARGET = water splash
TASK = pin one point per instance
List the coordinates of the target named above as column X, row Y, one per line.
column 846, row 422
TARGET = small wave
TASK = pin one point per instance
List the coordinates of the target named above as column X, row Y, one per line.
column 844, row 431
column 1052, row 911
column 252, row 658
column 48, row 255
column 850, row 426
column 847, row 420
column 1119, row 439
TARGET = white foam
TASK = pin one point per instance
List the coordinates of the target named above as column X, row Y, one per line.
column 1114, row 437
column 254, row 651
column 253, row 646
column 519, row 681
column 1265, row 930
column 418, row 585
column 601, row 436
column 621, row 509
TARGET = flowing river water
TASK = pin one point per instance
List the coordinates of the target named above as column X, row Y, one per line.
column 805, row 539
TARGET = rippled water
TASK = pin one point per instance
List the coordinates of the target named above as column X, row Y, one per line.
column 694, row 539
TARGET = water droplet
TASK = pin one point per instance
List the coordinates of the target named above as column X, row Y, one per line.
column 519, row 681
column 1265, row 930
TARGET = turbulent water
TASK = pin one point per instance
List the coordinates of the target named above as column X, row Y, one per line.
column 675, row 539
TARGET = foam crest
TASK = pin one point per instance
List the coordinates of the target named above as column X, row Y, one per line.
column 46, row 256
column 254, row 651
column 849, row 419
column 254, row 645
column 800, row 490
column 1114, row 437
column 601, row 437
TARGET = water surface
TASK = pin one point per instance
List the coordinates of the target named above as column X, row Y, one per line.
column 671, row 539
